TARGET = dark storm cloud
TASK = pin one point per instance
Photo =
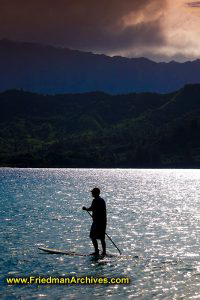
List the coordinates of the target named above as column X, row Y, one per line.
column 84, row 24
column 193, row 4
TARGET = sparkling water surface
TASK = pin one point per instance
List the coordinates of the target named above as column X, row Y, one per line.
column 153, row 217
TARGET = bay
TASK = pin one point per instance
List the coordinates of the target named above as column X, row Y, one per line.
column 153, row 217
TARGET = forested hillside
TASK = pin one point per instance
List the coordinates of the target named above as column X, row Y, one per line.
column 100, row 130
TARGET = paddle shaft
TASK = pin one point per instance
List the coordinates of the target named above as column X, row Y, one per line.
column 107, row 236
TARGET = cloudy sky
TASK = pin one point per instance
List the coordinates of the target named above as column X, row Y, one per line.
column 158, row 29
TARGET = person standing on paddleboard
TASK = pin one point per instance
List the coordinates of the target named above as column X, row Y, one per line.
column 98, row 228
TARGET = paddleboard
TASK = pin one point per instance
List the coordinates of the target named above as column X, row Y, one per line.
column 72, row 253
column 57, row 251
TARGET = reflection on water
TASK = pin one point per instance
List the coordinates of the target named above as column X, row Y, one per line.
column 152, row 214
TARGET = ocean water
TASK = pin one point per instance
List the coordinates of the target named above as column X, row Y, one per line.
column 153, row 217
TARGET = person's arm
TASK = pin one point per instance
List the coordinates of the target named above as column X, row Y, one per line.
column 89, row 208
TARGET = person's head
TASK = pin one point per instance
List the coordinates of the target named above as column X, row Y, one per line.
column 95, row 192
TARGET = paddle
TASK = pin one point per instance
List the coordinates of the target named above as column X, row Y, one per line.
column 108, row 236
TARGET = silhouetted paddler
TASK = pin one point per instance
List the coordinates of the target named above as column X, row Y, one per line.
column 98, row 228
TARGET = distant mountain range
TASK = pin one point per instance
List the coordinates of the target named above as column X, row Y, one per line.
column 51, row 70
column 101, row 130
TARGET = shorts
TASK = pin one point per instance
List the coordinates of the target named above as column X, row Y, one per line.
column 97, row 231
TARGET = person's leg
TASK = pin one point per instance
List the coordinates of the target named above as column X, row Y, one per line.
column 93, row 238
column 95, row 244
column 103, row 243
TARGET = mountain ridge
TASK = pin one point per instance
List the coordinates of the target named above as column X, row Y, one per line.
column 52, row 70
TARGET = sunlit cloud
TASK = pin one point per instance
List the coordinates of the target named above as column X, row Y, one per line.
column 179, row 26
column 182, row 30
column 193, row 4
